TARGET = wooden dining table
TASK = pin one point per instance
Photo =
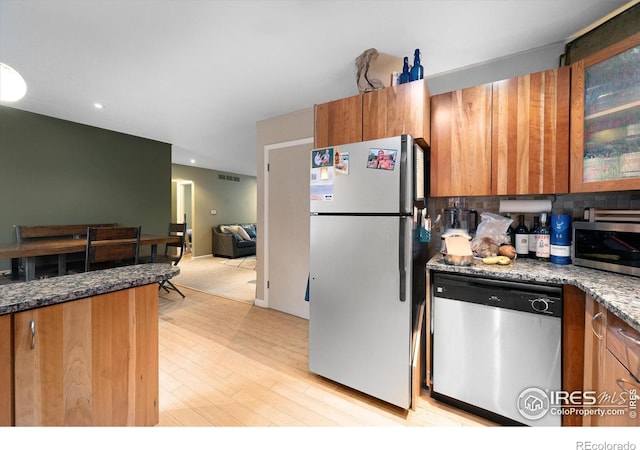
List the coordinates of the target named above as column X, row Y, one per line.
column 29, row 250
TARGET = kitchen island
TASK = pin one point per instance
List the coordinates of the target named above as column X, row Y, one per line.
column 82, row 350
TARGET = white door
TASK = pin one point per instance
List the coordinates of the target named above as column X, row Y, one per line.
column 288, row 229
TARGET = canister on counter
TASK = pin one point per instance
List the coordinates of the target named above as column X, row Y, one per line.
column 561, row 239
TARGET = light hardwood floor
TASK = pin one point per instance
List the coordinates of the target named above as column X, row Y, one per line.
column 231, row 364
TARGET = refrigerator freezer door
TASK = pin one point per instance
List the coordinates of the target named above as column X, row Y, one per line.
column 365, row 188
column 359, row 329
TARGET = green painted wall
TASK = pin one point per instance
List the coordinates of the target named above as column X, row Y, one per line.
column 54, row 171
column 234, row 200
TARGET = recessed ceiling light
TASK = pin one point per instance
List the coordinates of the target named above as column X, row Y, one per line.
column 98, row 105
column 193, row 161
column 12, row 85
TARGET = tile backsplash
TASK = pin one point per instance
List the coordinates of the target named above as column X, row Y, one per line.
column 573, row 204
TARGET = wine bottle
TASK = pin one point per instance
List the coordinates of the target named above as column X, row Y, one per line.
column 405, row 76
column 522, row 238
column 511, row 232
column 532, row 237
column 543, row 239
column 417, row 71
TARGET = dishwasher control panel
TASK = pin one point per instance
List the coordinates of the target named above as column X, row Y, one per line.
column 519, row 296
column 543, row 304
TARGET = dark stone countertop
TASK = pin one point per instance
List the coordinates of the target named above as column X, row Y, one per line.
column 618, row 293
column 16, row 297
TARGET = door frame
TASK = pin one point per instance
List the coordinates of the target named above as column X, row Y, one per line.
column 264, row 302
column 180, row 206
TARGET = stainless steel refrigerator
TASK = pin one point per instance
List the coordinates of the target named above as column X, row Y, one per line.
column 367, row 264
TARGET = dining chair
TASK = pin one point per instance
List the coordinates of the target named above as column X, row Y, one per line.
column 112, row 247
column 173, row 252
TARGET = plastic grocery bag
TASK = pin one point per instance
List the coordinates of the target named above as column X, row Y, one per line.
column 491, row 233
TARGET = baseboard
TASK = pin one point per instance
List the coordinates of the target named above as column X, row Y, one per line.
column 209, row 255
column 261, row 303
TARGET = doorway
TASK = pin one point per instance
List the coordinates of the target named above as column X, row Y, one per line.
column 184, row 210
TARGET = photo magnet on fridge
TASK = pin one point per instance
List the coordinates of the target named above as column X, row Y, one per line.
column 382, row 159
column 321, row 177
column 341, row 162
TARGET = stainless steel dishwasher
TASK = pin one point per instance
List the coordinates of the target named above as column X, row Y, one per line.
column 497, row 348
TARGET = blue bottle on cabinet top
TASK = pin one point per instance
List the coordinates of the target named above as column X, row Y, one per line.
column 405, row 76
column 417, row 72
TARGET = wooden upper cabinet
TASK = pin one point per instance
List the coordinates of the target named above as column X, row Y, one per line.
column 509, row 137
column 605, row 119
column 392, row 111
column 338, row 122
column 461, row 142
column 402, row 109
column 530, row 134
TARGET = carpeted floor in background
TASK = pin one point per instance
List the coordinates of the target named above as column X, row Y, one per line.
column 231, row 278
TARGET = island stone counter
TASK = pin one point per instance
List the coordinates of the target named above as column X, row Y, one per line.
column 82, row 349
column 618, row 293
column 18, row 297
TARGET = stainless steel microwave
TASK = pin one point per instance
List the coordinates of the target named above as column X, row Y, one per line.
column 612, row 246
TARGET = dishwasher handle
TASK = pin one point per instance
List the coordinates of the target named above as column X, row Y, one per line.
column 475, row 282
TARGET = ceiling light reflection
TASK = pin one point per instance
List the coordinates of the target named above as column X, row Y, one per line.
column 12, row 85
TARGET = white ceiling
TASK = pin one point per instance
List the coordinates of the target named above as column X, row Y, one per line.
column 199, row 74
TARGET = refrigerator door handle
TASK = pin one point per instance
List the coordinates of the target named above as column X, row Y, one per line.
column 401, row 257
column 403, row 174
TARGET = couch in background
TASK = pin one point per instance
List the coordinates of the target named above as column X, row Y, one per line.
column 234, row 240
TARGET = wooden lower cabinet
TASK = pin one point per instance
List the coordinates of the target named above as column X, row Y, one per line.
column 6, row 371
column 622, row 389
column 89, row 362
column 573, row 332
column 594, row 353
column 605, row 376
column 622, row 371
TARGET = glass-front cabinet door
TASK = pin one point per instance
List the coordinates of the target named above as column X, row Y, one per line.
column 605, row 119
